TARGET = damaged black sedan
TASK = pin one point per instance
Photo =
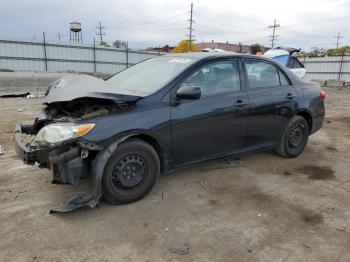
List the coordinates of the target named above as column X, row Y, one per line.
column 164, row 113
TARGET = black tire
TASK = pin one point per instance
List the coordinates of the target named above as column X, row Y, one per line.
column 294, row 138
column 121, row 184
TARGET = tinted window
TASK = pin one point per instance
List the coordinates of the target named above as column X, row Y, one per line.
column 283, row 79
column 261, row 74
column 295, row 63
column 216, row 78
column 282, row 59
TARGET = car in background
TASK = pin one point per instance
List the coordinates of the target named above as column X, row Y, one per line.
column 165, row 113
column 285, row 56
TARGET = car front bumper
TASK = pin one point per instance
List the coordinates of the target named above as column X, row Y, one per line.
column 31, row 154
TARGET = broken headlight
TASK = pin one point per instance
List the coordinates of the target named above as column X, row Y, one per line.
column 56, row 133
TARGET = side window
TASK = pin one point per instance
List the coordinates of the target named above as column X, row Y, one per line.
column 261, row 74
column 216, row 78
column 283, row 79
column 295, row 63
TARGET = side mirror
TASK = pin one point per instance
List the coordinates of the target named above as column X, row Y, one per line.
column 188, row 92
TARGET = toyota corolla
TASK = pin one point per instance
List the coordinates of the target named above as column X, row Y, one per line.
column 164, row 113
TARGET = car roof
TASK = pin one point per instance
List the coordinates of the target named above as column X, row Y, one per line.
column 203, row 55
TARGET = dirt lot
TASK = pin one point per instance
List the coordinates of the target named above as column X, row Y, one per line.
column 257, row 208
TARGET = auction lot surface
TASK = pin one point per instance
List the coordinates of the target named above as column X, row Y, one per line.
column 257, row 208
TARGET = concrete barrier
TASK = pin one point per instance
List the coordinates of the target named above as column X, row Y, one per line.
column 32, row 82
column 335, row 83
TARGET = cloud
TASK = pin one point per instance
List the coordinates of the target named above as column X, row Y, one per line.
column 153, row 23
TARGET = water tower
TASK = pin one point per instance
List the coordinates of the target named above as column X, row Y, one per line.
column 76, row 35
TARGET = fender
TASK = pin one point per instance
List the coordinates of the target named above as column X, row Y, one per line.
column 98, row 165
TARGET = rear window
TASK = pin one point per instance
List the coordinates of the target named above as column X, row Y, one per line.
column 282, row 59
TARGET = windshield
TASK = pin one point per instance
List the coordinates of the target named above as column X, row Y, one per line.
column 149, row 76
column 282, row 59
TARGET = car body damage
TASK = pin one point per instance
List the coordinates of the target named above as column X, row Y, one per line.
column 162, row 114
column 71, row 160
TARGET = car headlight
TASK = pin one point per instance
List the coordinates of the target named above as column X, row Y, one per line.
column 56, row 133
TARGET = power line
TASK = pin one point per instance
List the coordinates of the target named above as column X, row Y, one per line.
column 159, row 26
column 303, row 34
column 100, row 33
column 225, row 25
column 190, row 34
column 273, row 36
column 148, row 22
column 338, row 37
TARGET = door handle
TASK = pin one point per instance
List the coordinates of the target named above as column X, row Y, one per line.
column 239, row 103
column 290, row 96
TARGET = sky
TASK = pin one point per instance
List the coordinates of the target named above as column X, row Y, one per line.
column 153, row 23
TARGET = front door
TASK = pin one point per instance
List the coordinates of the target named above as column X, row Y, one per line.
column 214, row 124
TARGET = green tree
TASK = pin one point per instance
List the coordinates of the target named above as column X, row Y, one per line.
column 344, row 50
column 256, row 48
column 103, row 43
column 184, row 46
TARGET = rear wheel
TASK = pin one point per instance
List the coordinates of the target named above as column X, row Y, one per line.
column 294, row 138
column 130, row 173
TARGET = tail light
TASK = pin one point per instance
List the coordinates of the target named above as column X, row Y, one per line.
column 323, row 95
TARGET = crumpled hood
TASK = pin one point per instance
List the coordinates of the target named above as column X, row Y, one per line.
column 72, row 87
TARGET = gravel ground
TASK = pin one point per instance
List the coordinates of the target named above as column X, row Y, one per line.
column 257, row 208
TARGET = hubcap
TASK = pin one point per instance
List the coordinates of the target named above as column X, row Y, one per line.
column 296, row 136
column 129, row 171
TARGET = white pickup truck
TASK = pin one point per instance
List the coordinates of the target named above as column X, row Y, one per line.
column 285, row 57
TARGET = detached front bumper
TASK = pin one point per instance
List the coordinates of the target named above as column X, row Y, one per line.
column 70, row 161
column 31, row 154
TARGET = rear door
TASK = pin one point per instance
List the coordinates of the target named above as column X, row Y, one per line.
column 272, row 100
column 216, row 123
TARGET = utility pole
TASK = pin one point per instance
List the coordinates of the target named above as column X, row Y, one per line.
column 59, row 36
column 273, row 36
column 191, row 35
column 338, row 37
column 100, row 33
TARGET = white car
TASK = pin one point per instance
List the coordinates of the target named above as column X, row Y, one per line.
column 285, row 57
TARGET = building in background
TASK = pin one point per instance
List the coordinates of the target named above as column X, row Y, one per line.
column 238, row 48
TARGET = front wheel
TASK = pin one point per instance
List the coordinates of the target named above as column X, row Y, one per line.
column 130, row 173
column 294, row 138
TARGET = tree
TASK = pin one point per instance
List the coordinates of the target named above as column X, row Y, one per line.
column 344, row 50
column 184, row 46
column 119, row 44
column 103, row 43
column 317, row 52
column 256, row 48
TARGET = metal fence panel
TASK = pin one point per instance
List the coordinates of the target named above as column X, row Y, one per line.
column 56, row 52
column 22, row 65
column 54, row 56
column 325, row 68
column 111, row 55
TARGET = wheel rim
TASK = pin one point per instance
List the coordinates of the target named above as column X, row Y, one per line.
column 129, row 171
column 296, row 136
